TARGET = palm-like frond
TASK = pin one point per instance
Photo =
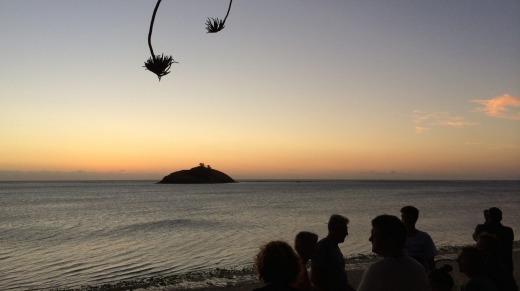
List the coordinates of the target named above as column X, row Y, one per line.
column 159, row 65
column 214, row 25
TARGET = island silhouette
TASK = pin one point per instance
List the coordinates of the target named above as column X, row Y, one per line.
column 197, row 175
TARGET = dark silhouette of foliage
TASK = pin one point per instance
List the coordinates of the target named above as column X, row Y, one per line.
column 161, row 64
column 214, row 25
column 158, row 64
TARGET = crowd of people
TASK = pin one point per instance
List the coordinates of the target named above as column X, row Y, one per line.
column 407, row 258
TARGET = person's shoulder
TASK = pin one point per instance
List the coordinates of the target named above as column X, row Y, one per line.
column 392, row 263
column 406, row 260
column 507, row 231
column 507, row 228
column 412, row 262
column 480, row 226
column 423, row 235
column 324, row 243
column 382, row 264
column 409, row 264
column 319, row 261
column 374, row 268
column 377, row 263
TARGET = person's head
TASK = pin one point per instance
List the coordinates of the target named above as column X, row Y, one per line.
column 489, row 245
column 494, row 215
column 409, row 216
column 471, row 261
column 306, row 245
column 277, row 263
column 440, row 279
column 388, row 235
column 338, row 228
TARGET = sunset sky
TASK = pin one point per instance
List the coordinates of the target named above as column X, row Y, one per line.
column 292, row 89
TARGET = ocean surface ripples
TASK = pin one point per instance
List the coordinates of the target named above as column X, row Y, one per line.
column 69, row 234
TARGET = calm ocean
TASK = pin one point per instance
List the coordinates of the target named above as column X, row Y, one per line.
column 69, row 234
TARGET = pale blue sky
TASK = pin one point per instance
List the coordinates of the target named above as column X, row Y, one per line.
column 287, row 88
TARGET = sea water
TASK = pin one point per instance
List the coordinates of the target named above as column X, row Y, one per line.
column 69, row 234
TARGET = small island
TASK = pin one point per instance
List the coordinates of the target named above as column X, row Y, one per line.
column 198, row 175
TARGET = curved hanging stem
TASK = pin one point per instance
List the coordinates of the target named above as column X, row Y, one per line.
column 151, row 28
column 215, row 24
column 229, row 9
column 160, row 64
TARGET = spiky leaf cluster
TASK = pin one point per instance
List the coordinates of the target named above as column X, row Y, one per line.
column 160, row 65
column 214, row 25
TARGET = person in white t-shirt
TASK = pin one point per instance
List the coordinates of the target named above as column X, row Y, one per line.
column 396, row 271
column 419, row 245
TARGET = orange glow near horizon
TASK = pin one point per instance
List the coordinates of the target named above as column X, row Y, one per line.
column 318, row 161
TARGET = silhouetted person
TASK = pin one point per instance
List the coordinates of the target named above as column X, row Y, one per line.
column 278, row 265
column 489, row 245
column 494, row 226
column 419, row 245
column 328, row 267
column 471, row 263
column 395, row 271
column 439, row 279
column 306, row 245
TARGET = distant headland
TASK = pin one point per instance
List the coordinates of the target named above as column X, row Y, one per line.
column 198, row 175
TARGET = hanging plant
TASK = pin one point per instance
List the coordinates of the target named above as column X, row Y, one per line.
column 214, row 24
column 158, row 64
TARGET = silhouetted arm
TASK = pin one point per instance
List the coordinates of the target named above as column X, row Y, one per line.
column 476, row 233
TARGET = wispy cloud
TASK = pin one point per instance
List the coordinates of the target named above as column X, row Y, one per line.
column 425, row 121
column 505, row 106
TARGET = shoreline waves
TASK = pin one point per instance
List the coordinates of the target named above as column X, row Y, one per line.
column 245, row 279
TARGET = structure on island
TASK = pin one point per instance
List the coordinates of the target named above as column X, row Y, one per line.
column 198, row 175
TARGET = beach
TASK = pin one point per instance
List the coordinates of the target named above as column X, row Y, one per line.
column 355, row 268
